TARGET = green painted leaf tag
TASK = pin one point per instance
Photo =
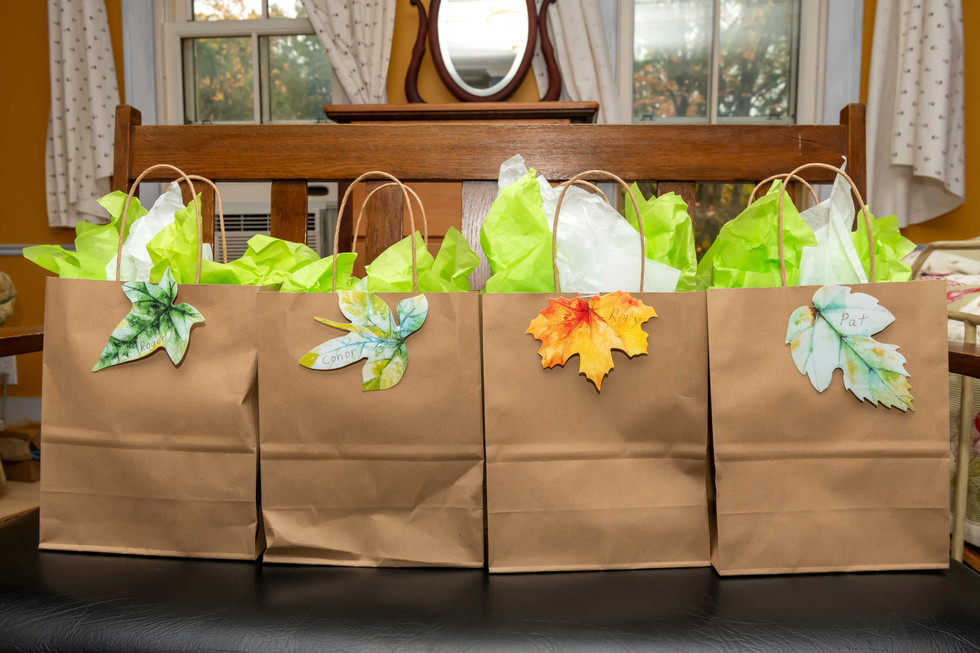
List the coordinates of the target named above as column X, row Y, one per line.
column 153, row 322
column 835, row 332
column 373, row 335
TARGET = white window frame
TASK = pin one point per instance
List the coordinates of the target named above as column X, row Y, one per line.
column 810, row 74
column 171, row 22
column 175, row 17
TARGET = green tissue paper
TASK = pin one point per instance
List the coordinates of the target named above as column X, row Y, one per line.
column 746, row 252
column 95, row 245
column 175, row 247
column 890, row 247
column 318, row 275
column 391, row 271
column 668, row 233
column 278, row 263
column 517, row 240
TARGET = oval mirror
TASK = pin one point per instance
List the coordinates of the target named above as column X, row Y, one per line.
column 483, row 42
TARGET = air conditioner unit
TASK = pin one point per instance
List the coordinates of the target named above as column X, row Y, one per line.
column 247, row 213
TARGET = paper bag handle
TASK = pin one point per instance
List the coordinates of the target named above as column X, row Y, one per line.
column 360, row 214
column 182, row 176
column 857, row 195
column 577, row 179
column 803, row 181
column 375, row 174
column 221, row 213
column 585, row 184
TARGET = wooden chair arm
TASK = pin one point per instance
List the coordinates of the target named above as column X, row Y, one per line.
column 940, row 245
column 21, row 340
column 968, row 318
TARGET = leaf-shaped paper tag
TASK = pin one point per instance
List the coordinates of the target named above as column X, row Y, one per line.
column 373, row 335
column 835, row 332
column 154, row 321
column 592, row 330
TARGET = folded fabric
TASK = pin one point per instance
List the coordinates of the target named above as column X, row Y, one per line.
column 746, row 252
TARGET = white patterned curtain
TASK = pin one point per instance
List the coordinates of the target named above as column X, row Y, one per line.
column 357, row 36
column 84, row 96
column 581, row 44
column 915, row 110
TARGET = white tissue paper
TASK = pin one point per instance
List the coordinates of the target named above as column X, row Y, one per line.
column 598, row 250
column 136, row 262
column 833, row 260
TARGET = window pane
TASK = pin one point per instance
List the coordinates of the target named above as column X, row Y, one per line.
column 671, row 58
column 218, row 80
column 300, row 78
column 227, row 9
column 286, row 9
column 758, row 52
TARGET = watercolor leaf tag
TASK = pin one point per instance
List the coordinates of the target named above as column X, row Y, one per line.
column 373, row 335
column 835, row 332
column 592, row 330
column 153, row 322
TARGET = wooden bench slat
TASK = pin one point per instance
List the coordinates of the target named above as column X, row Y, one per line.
column 21, row 340
column 474, row 152
column 964, row 359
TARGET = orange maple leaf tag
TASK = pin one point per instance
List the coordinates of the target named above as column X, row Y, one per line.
column 591, row 330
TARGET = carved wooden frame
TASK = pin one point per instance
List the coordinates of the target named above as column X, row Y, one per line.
column 429, row 26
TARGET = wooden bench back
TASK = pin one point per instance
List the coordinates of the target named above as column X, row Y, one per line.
column 290, row 156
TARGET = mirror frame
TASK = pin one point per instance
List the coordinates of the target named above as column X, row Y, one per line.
column 429, row 25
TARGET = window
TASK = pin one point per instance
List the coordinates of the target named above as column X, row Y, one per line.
column 719, row 61
column 248, row 61
column 715, row 60
column 244, row 61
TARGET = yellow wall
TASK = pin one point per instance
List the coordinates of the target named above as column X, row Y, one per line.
column 430, row 86
column 964, row 222
column 23, row 130
column 442, row 201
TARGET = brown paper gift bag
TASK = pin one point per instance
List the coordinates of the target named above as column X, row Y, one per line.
column 578, row 479
column 391, row 477
column 810, row 481
column 148, row 457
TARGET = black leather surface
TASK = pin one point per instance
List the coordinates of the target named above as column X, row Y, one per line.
column 86, row 602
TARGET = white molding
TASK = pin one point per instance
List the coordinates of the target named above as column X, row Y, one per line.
column 624, row 57
column 811, row 61
column 139, row 57
column 715, row 55
column 842, row 84
column 160, row 16
column 259, row 26
column 256, row 79
column 20, row 408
